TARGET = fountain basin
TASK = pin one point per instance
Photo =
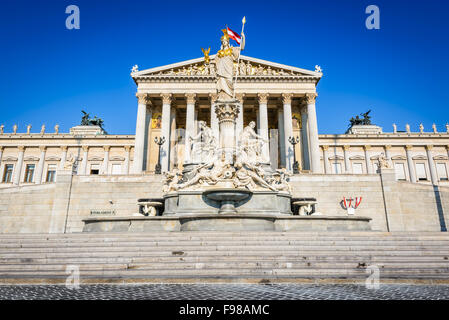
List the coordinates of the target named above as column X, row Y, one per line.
column 227, row 198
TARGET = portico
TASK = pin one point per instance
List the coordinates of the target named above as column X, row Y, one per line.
column 174, row 98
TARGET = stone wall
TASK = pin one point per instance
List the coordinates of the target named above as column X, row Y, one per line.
column 61, row 206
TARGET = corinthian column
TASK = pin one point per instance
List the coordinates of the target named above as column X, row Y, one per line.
column 369, row 168
column 326, row 159
column 190, row 124
column 411, row 167
column 288, row 130
column 18, row 169
column 139, row 142
column 433, row 172
column 126, row 164
column 106, row 159
column 313, row 132
column 40, row 165
column 226, row 114
column 85, row 159
column 346, row 156
column 263, row 124
column 165, row 131
column 63, row 157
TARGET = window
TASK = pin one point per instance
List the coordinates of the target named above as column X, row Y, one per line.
column 442, row 172
column 7, row 175
column 400, row 171
column 357, row 168
column 51, row 173
column 29, row 173
column 95, row 169
column 337, row 168
column 421, row 171
column 116, row 168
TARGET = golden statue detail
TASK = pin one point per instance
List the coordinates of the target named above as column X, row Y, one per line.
column 224, row 63
column 206, row 55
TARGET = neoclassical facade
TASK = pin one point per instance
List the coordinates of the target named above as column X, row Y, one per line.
column 173, row 99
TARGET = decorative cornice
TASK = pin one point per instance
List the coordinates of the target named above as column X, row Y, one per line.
column 310, row 98
column 166, row 98
column 287, row 98
column 263, row 98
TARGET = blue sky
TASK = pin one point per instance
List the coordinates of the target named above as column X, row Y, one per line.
column 49, row 73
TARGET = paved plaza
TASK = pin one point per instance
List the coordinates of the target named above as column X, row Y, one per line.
column 226, row 292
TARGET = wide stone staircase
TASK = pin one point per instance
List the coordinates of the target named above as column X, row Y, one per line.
column 257, row 257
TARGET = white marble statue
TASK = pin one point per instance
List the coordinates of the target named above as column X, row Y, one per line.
column 383, row 162
column 209, row 173
column 421, row 128
column 171, row 180
column 250, row 176
column 57, row 129
column 203, row 144
column 14, row 129
column 43, row 129
column 2, row 128
column 250, row 145
column 29, row 129
column 224, row 64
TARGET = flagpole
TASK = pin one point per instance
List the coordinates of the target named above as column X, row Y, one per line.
column 238, row 59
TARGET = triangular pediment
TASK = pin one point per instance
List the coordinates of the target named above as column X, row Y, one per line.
column 247, row 66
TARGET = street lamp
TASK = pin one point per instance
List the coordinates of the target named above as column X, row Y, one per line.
column 159, row 141
column 294, row 141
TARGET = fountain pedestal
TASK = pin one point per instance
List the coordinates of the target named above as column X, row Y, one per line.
column 227, row 198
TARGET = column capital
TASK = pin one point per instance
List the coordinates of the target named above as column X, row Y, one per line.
column 127, row 148
column 287, row 98
column 325, row 147
column 408, row 147
column 166, row 98
column 106, row 148
column 64, row 148
column 387, row 147
column 213, row 97
column 447, row 147
column 2, row 148
column 367, row 147
column 85, row 148
column 429, row 147
column 346, row 147
column 239, row 97
column 143, row 98
column 42, row 148
column 310, row 98
column 191, row 98
column 262, row 98
column 21, row 148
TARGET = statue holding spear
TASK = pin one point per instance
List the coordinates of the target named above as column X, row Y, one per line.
column 224, row 62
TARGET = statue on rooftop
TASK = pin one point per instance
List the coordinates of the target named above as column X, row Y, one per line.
column 87, row 121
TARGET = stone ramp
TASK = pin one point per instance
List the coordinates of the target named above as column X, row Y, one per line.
column 252, row 257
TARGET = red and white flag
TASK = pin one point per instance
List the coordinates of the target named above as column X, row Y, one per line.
column 234, row 35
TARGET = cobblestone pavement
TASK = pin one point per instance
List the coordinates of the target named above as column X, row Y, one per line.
column 225, row 292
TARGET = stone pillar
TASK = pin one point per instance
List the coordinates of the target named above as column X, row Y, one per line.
column 40, row 165
column 313, row 132
column 411, row 167
column 226, row 114
column 281, row 137
column 190, row 125
column 326, row 160
column 106, row 159
column 18, row 168
column 126, row 164
column 239, row 120
column 432, row 169
column 141, row 126
column 346, row 156
column 369, row 168
column 387, row 152
column 305, row 139
column 63, row 157
column 165, row 132
column 288, row 130
column 213, row 116
column 85, row 160
column 263, row 122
